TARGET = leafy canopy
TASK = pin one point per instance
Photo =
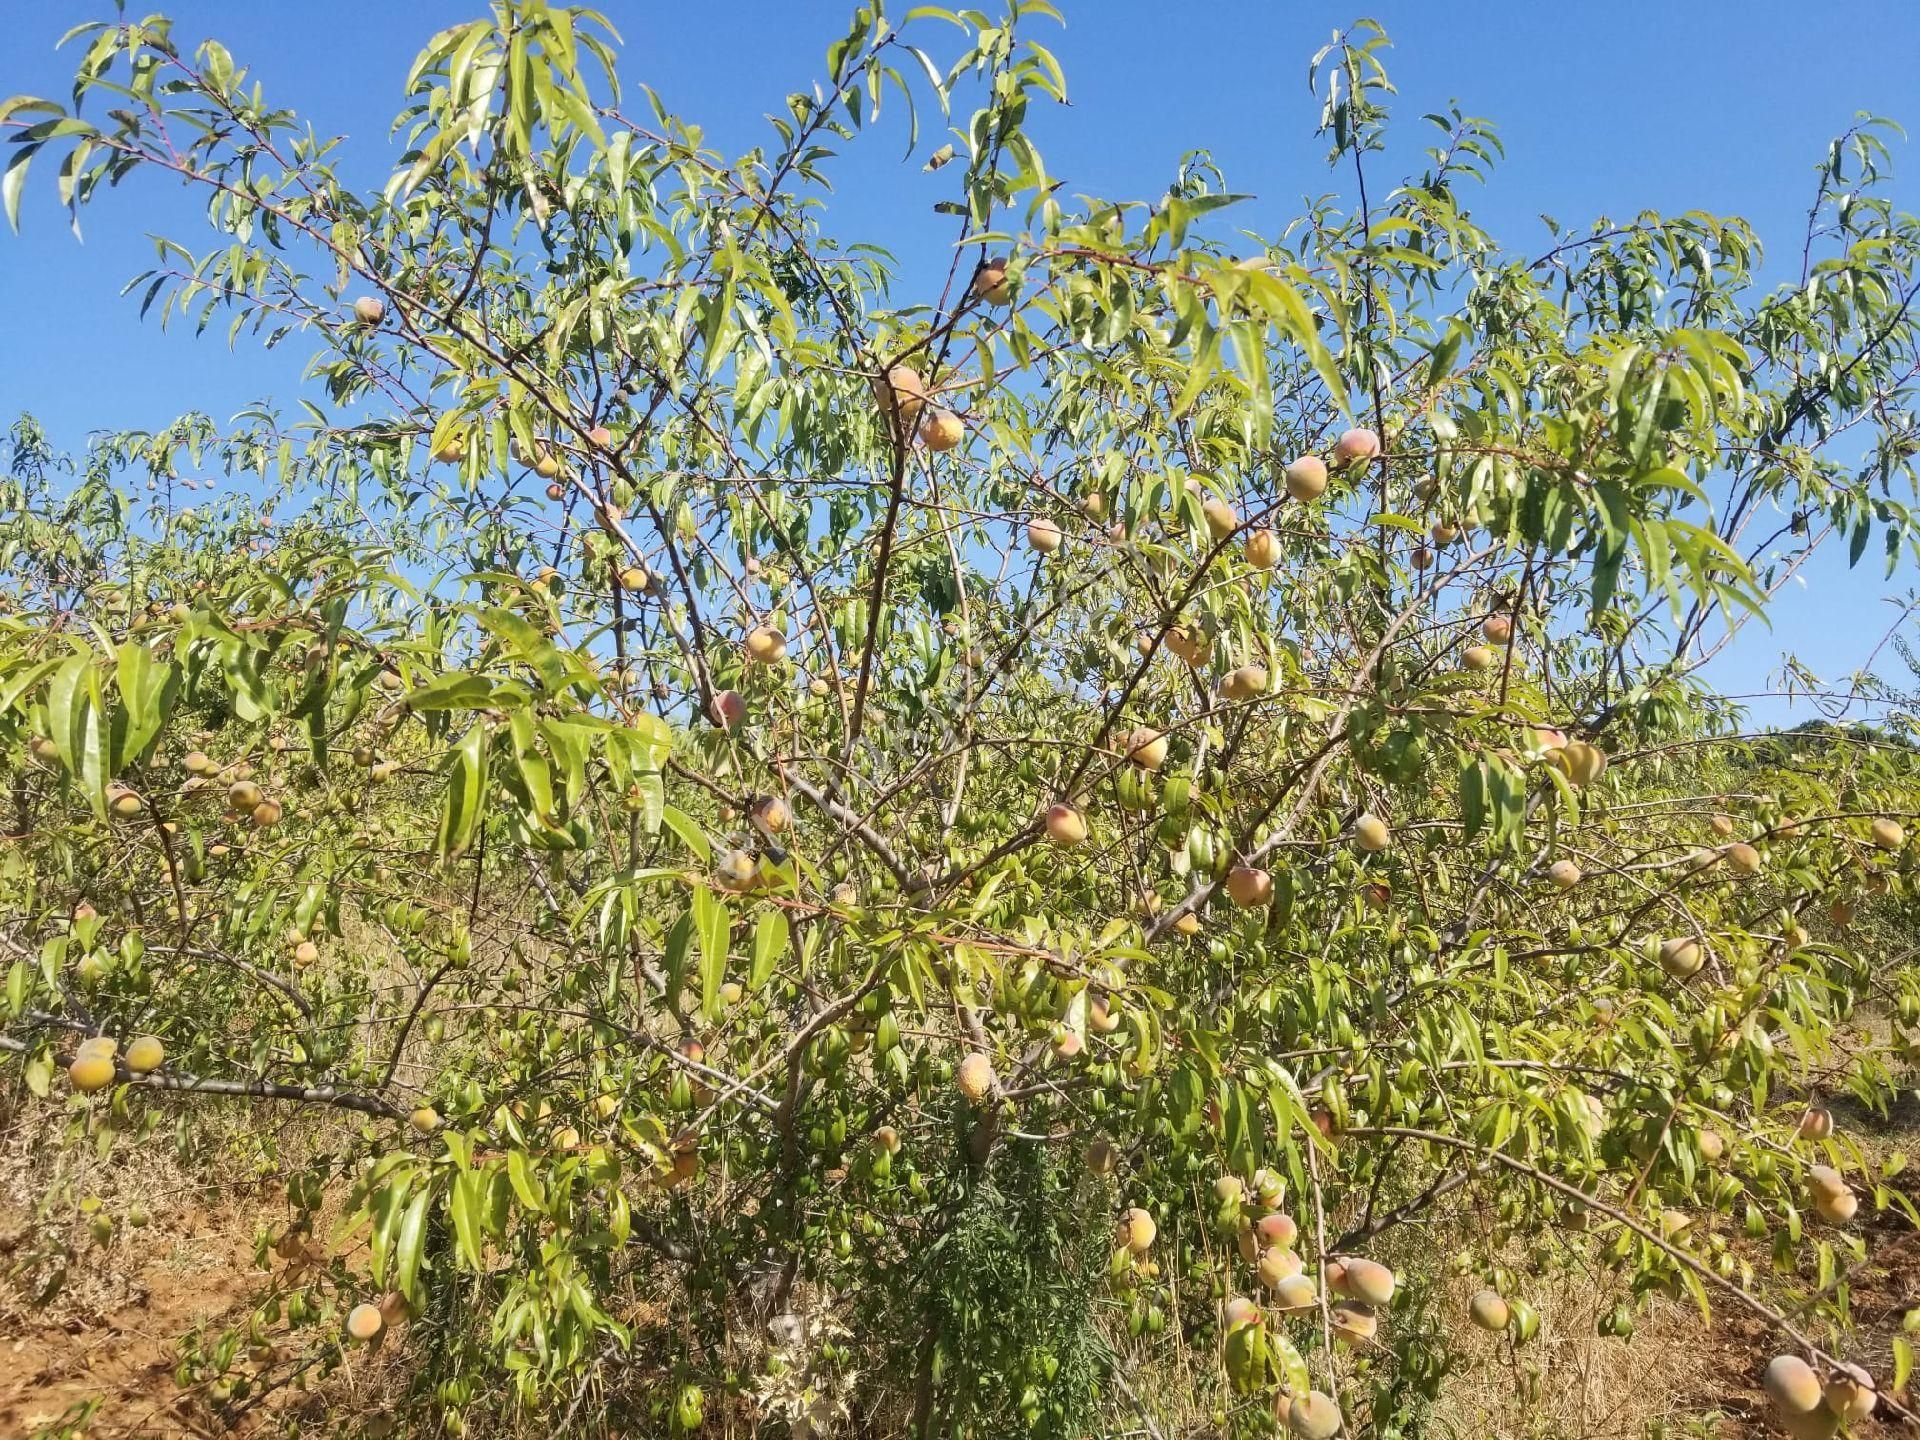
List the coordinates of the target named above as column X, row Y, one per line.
column 674, row 694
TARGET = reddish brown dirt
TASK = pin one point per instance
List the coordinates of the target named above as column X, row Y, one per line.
column 1882, row 1293
column 122, row 1353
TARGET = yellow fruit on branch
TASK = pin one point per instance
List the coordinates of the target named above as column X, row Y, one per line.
column 1353, row 1323
column 903, row 392
column 1354, row 446
column 1146, row 748
column 1888, row 834
column 1313, row 1416
column 1295, row 1293
column 765, row 645
column 990, row 282
column 1249, row 887
column 1187, row 645
column 1307, row 478
column 365, row 1322
column 1370, row 833
column 91, row 1071
column 1850, row 1393
column 1043, row 536
column 145, row 1054
column 1221, row 518
column 1244, row 683
column 727, row 709
column 1263, row 549
column 1816, row 1123
column 1369, row 1281
column 1791, row 1384
column 1681, row 956
column 1488, row 1310
column 1137, row 1231
column 369, row 309
column 1582, row 763
column 975, row 1077
column 941, row 430
column 1065, row 825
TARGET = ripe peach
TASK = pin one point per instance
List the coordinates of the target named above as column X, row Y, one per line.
column 1355, row 445
column 1307, row 478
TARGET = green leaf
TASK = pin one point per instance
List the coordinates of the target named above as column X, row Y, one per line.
column 691, row 835
column 463, row 1208
column 456, row 691
column 770, row 935
column 711, row 923
column 408, row 1247
column 674, row 958
column 466, row 792
column 14, row 182
column 525, row 1187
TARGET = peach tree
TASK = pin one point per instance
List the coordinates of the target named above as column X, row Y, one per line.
column 875, row 855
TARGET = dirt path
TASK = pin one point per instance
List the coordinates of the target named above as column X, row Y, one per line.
column 119, row 1354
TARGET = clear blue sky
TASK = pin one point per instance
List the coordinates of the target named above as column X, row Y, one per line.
column 1605, row 109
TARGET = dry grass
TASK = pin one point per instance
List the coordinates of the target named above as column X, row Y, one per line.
column 1573, row 1383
